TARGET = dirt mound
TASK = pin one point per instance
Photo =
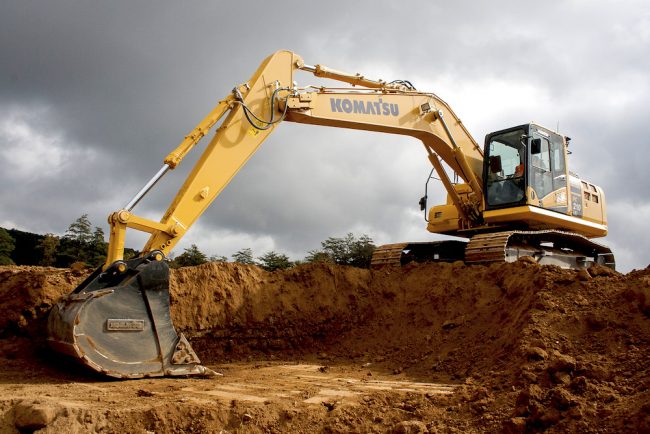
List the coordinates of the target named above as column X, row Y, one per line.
column 529, row 348
column 28, row 293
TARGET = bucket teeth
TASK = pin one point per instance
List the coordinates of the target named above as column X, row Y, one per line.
column 183, row 353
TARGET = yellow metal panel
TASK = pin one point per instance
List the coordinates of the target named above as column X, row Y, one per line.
column 443, row 219
column 117, row 238
column 593, row 203
column 394, row 113
column 539, row 218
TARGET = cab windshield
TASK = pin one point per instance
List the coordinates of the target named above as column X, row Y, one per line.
column 506, row 157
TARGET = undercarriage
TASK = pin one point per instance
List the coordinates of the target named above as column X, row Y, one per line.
column 547, row 247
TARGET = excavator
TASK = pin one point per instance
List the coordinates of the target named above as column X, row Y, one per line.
column 511, row 198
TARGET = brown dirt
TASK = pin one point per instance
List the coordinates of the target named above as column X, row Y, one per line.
column 320, row 348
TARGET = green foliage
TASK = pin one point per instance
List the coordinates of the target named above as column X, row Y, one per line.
column 361, row 252
column 74, row 244
column 318, row 256
column 96, row 249
column 80, row 230
column 130, row 253
column 25, row 252
column 218, row 258
column 271, row 261
column 7, row 245
column 48, row 249
column 81, row 244
column 190, row 257
column 348, row 250
column 244, row 256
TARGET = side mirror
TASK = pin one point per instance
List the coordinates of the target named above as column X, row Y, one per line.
column 423, row 203
column 536, row 146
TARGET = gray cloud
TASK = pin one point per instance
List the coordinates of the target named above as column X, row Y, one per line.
column 93, row 96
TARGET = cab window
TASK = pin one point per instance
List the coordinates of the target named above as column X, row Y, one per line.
column 558, row 168
column 506, row 158
column 541, row 179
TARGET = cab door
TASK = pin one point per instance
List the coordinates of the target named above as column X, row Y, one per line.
column 547, row 171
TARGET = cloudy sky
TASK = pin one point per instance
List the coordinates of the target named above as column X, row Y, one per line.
column 93, row 95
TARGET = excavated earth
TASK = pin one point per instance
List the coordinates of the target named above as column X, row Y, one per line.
column 320, row 348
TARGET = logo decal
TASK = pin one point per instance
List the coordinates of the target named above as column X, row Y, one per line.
column 125, row 325
column 346, row 105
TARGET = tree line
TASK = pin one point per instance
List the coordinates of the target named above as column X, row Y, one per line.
column 347, row 250
column 85, row 244
column 80, row 243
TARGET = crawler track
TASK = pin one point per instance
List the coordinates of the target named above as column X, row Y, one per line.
column 388, row 254
column 547, row 247
column 565, row 249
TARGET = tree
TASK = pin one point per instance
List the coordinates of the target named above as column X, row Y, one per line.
column 7, row 245
column 318, row 256
column 75, row 244
column 339, row 248
column 130, row 253
column 271, row 261
column 81, row 244
column 80, row 230
column 218, row 258
column 48, row 248
column 361, row 251
column 96, row 249
column 190, row 257
column 244, row 256
column 345, row 251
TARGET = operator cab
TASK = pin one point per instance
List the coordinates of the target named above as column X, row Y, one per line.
column 525, row 165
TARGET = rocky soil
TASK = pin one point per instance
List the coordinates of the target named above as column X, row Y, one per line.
column 319, row 348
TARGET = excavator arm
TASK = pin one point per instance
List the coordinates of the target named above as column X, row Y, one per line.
column 235, row 141
column 118, row 321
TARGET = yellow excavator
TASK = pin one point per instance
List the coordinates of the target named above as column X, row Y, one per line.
column 514, row 197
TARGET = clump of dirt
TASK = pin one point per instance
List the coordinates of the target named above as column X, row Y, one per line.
column 528, row 348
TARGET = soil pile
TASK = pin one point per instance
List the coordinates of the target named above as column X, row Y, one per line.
column 529, row 348
column 28, row 293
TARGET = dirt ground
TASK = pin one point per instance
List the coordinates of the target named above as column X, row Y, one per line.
column 319, row 348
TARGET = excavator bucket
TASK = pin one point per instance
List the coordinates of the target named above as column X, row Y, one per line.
column 118, row 323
